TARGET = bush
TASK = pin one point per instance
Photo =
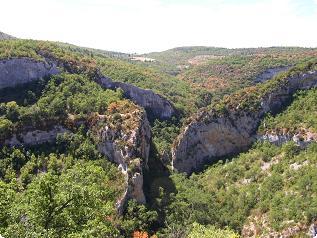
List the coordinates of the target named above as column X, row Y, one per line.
column 200, row 231
column 5, row 128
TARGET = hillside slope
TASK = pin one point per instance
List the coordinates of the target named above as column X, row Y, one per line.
column 86, row 138
column 62, row 135
column 228, row 127
column 268, row 191
column 4, row 36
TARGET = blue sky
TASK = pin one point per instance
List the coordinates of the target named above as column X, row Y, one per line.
column 154, row 25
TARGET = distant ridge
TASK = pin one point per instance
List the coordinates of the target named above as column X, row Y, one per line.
column 4, row 36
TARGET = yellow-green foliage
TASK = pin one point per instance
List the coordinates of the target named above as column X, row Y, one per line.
column 200, row 231
column 60, row 194
column 18, row 48
column 65, row 95
column 301, row 114
column 179, row 92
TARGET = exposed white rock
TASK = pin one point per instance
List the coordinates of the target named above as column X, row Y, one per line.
column 127, row 144
column 35, row 137
column 296, row 166
column 155, row 105
column 302, row 138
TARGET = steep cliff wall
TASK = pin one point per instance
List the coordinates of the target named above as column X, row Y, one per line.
column 35, row 137
column 212, row 134
column 270, row 73
column 155, row 105
column 125, row 139
column 23, row 70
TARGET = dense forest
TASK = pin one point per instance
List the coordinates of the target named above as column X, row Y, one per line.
column 69, row 187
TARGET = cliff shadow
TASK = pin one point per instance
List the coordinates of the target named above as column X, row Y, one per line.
column 24, row 94
column 158, row 186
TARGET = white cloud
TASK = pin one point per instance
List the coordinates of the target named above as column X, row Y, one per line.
column 149, row 25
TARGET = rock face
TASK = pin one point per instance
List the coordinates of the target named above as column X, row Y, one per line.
column 125, row 140
column 211, row 135
column 23, row 70
column 301, row 138
column 270, row 73
column 35, row 137
column 4, row 36
column 155, row 105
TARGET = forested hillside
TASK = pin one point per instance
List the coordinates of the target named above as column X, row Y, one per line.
column 87, row 150
column 269, row 190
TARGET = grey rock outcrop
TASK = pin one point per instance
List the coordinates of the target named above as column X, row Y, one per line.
column 126, row 142
column 270, row 73
column 211, row 135
column 4, row 36
column 35, row 137
column 18, row 71
column 155, row 105
column 23, row 70
column 301, row 138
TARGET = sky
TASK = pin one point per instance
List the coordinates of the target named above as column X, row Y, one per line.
column 141, row 26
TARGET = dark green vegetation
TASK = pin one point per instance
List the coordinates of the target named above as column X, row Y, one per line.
column 301, row 115
column 263, row 183
column 270, row 187
column 57, row 195
column 65, row 97
column 69, row 189
column 66, row 189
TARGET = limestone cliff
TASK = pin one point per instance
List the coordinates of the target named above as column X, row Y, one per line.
column 270, row 73
column 124, row 137
column 155, row 105
column 212, row 135
column 35, row 137
column 23, row 70
column 302, row 137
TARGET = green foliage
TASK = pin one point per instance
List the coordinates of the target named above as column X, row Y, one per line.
column 249, row 99
column 5, row 127
column 164, row 133
column 301, row 114
column 137, row 218
column 76, row 94
column 72, row 203
column 200, row 231
column 177, row 91
column 169, row 60
column 262, row 180
column 18, row 48
column 57, row 196
column 68, row 189
column 66, row 96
